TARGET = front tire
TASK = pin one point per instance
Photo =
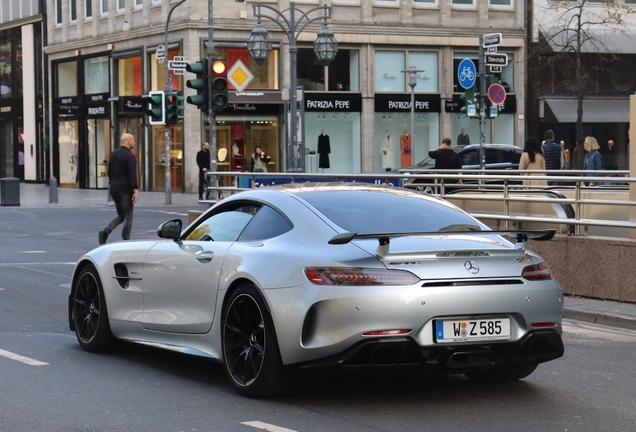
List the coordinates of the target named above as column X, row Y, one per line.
column 510, row 373
column 250, row 347
column 89, row 312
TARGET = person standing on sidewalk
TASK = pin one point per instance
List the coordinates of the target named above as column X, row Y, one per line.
column 122, row 176
column 553, row 154
column 446, row 158
column 203, row 162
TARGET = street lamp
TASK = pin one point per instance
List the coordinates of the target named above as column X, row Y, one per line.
column 259, row 46
column 413, row 71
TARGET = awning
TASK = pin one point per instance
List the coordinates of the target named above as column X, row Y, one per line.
column 594, row 110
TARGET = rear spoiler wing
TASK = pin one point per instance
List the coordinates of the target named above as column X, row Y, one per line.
column 384, row 239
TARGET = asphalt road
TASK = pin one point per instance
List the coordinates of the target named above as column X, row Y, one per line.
column 56, row 386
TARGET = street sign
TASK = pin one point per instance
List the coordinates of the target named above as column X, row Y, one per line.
column 492, row 49
column 496, row 93
column 178, row 65
column 490, row 40
column 496, row 69
column 496, row 59
column 239, row 76
column 161, row 52
column 466, row 73
column 494, row 111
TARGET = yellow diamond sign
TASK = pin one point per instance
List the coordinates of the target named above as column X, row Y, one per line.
column 239, row 76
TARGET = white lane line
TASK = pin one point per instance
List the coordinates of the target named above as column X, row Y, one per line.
column 65, row 276
column 33, row 252
column 32, row 263
column 266, row 426
column 22, row 359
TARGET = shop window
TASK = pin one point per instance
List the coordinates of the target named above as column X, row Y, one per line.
column 98, row 149
column 68, row 142
column 96, row 76
column 6, row 69
column 67, row 79
column 427, row 80
column 265, row 75
column 129, row 76
column 390, row 64
column 342, row 74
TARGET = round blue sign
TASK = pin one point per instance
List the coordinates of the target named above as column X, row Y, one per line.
column 466, row 73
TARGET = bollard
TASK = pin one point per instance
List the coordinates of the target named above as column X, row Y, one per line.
column 53, row 192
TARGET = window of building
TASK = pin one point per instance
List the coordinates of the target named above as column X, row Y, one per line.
column 67, row 79
column 463, row 2
column 387, row 2
column 58, row 12
column 88, row 8
column 72, row 9
column 425, row 1
column 104, row 7
column 501, row 2
column 129, row 76
column 96, row 76
column 390, row 64
column 342, row 74
column 139, row 4
column 121, row 5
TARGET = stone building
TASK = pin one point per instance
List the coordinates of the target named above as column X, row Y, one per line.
column 102, row 59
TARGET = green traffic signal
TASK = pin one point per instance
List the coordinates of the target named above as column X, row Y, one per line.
column 200, row 84
column 156, row 107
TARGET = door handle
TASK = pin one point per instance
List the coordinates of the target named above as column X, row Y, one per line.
column 205, row 256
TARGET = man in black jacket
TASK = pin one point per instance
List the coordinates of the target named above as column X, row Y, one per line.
column 446, row 158
column 203, row 161
column 122, row 176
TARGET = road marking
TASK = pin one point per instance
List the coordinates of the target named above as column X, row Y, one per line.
column 267, row 427
column 33, row 252
column 22, row 359
column 40, row 263
column 65, row 276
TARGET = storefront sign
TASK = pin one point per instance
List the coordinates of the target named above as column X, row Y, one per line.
column 97, row 110
column 67, row 107
column 402, row 103
column 130, row 105
column 98, row 97
column 333, row 102
column 250, row 108
column 255, row 97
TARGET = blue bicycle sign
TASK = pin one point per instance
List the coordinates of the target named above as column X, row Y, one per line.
column 466, row 73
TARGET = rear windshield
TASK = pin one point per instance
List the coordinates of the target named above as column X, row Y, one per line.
column 373, row 212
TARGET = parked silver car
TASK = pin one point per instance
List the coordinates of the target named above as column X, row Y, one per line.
column 326, row 275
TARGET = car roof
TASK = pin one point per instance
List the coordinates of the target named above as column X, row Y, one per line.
column 510, row 147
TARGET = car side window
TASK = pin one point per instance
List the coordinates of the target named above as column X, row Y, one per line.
column 510, row 156
column 492, row 156
column 225, row 226
column 470, row 157
column 267, row 223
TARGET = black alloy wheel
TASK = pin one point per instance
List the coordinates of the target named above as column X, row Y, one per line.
column 89, row 312
column 250, row 348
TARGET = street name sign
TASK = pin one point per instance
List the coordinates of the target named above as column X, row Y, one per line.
column 491, row 40
column 178, row 65
column 496, row 59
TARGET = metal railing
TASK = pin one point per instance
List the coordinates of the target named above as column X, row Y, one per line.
column 605, row 206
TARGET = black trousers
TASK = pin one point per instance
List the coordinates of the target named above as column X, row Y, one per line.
column 203, row 184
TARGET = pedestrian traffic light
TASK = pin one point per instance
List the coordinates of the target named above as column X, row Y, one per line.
column 156, row 107
column 200, row 84
column 470, row 102
column 174, row 108
column 219, row 85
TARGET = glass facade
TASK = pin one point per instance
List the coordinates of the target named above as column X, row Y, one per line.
column 96, row 75
column 130, row 76
column 98, row 140
column 342, row 74
column 341, row 131
column 68, row 145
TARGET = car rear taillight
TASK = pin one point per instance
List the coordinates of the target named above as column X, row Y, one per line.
column 359, row 276
column 536, row 272
column 387, row 332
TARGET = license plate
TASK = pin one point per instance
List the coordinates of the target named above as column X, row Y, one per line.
column 472, row 330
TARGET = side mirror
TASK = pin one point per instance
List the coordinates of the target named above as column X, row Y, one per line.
column 170, row 229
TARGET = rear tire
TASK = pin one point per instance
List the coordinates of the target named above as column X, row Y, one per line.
column 250, row 348
column 510, row 373
column 89, row 312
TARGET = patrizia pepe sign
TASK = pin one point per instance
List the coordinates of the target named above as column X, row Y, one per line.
column 402, row 103
column 334, row 102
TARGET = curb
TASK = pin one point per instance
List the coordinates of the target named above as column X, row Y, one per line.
column 609, row 320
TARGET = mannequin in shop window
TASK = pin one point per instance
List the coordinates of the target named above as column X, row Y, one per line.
column 406, row 141
column 324, row 148
column 388, row 151
column 463, row 138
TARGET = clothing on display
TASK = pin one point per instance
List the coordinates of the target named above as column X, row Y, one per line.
column 463, row 138
column 324, row 148
column 388, row 151
column 406, row 141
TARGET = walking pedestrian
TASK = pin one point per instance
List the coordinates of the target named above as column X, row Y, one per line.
column 532, row 159
column 446, row 158
column 593, row 159
column 122, row 176
column 553, row 154
column 203, row 162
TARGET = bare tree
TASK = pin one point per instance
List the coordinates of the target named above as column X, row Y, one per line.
column 576, row 31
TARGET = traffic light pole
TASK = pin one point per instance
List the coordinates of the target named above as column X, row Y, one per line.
column 211, row 116
column 482, row 104
column 167, row 90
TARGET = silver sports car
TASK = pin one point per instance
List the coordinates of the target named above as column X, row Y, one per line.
column 326, row 276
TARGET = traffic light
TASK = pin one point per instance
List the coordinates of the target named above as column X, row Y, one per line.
column 200, row 84
column 174, row 108
column 156, row 107
column 219, row 85
column 470, row 102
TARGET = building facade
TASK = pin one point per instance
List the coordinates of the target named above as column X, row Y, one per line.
column 22, row 145
column 102, row 58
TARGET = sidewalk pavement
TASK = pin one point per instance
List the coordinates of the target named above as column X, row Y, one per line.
column 611, row 313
